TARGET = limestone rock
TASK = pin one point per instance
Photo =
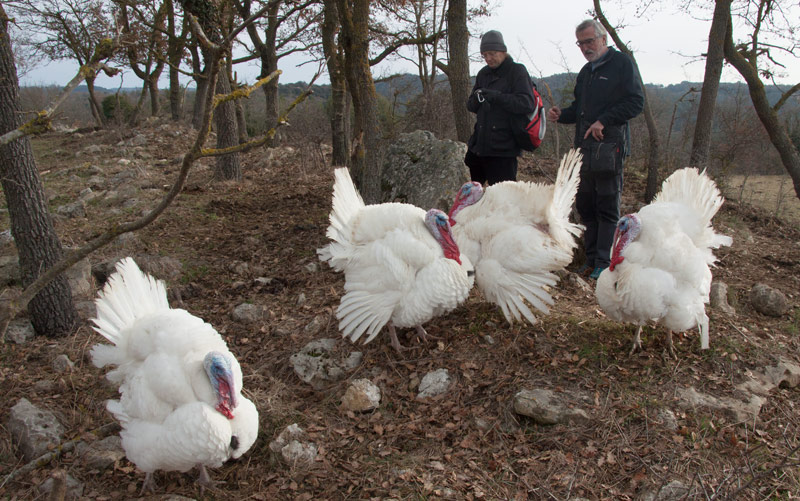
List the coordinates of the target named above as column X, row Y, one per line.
column 361, row 396
column 736, row 410
column 293, row 446
column 424, row 171
column 102, row 454
column 20, row 331
column 248, row 313
column 319, row 362
column 768, row 301
column 34, row 430
column 61, row 486
column 434, row 383
column 62, row 363
column 545, row 407
column 718, row 298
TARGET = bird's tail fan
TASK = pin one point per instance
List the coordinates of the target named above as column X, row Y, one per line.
column 129, row 294
column 564, row 191
column 693, row 188
column 346, row 203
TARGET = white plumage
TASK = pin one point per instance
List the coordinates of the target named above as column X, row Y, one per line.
column 661, row 258
column 517, row 234
column 180, row 401
column 401, row 265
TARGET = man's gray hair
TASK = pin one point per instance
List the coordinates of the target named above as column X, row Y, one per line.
column 599, row 30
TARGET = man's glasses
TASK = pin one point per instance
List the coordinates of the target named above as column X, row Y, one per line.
column 588, row 41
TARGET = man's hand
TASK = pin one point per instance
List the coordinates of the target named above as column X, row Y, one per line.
column 596, row 130
column 553, row 113
column 486, row 94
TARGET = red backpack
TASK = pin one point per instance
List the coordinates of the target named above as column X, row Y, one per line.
column 529, row 129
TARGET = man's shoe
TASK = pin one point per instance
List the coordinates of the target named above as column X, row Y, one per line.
column 596, row 272
column 585, row 270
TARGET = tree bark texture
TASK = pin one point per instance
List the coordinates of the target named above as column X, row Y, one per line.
column 174, row 52
column 94, row 104
column 339, row 106
column 228, row 167
column 701, row 145
column 748, row 68
column 201, row 73
column 366, row 157
column 51, row 311
column 457, row 69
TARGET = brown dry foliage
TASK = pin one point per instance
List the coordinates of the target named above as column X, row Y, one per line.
column 468, row 444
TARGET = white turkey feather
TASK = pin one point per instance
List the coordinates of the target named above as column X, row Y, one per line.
column 517, row 234
column 660, row 263
column 397, row 268
column 173, row 414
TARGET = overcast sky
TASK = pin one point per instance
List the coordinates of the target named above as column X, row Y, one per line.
column 540, row 34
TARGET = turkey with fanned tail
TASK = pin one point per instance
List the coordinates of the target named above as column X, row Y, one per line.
column 517, row 234
column 180, row 403
column 661, row 259
column 400, row 263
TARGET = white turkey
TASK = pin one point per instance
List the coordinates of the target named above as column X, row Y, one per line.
column 661, row 258
column 517, row 234
column 180, row 402
column 401, row 264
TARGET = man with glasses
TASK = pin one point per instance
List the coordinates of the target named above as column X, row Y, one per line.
column 502, row 89
column 607, row 95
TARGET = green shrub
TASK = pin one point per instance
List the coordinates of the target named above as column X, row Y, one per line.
column 117, row 107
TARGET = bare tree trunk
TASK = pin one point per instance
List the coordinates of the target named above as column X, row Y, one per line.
column 654, row 160
column 228, row 167
column 152, row 87
column 51, row 311
column 367, row 151
column 134, row 118
column 457, row 69
column 201, row 83
column 701, row 145
column 340, row 137
column 174, row 48
column 94, row 104
column 747, row 66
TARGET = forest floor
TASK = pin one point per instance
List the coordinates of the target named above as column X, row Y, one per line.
column 468, row 443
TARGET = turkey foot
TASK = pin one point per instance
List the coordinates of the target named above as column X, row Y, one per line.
column 637, row 342
column 395, row 342
column 422, row 335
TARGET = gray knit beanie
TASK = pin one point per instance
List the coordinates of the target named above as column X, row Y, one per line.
column 493, row 40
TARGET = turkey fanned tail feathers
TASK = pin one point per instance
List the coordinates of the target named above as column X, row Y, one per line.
column 173, row 416
column 518, row 234
column 660, row 263
column 400, row 263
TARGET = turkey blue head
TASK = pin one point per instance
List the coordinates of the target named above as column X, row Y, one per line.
column 220, row 373
column 439, row 225
column 628, row 228
column 469, row 194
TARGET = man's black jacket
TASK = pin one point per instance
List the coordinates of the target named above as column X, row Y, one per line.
column 506, row 91
column 611, row 94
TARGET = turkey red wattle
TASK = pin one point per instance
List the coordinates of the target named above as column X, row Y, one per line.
column 218, row 369
column 627, row 230
column 439, row 225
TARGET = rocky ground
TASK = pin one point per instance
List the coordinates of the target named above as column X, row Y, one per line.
column 715, row 424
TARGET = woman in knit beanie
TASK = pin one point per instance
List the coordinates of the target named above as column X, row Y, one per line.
column 502, row 90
